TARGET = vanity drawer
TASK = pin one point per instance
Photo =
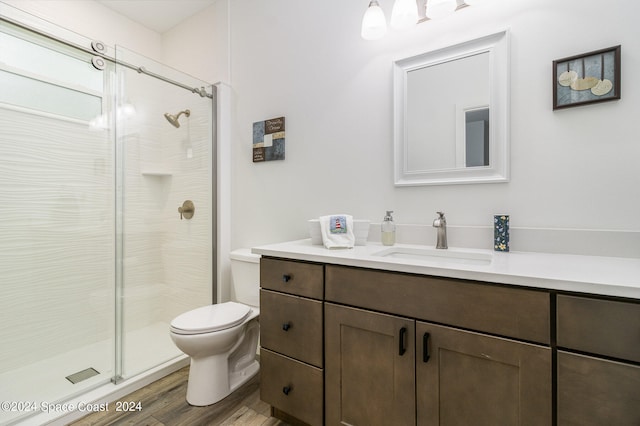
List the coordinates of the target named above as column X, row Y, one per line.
column 511, row 312
column 291, row 325
column 302, row 279
column 597, row 326
column 292, row 387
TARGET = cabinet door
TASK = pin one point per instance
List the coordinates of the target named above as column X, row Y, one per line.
column 465, row 378
column 369, row 368
column 593, row 391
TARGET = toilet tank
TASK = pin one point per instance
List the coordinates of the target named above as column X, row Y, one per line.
column 245, row 277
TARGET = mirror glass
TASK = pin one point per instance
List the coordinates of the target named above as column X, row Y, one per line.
column 476, row 137
column 451, row 114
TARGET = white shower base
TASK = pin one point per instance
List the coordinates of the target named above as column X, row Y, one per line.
column 45, row 382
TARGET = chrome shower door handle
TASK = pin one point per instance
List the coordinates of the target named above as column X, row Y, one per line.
column 187, row 210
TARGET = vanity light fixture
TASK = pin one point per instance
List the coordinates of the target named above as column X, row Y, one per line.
column 406, row 14
column 374, row 24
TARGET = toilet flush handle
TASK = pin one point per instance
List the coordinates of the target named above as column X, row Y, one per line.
column 187, row 210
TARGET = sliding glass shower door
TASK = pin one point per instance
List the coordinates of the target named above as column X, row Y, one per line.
column 57, row 211
column 96, row 159
column 164, row 154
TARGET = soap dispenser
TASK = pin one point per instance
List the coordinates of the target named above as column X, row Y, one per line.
column 388, row 230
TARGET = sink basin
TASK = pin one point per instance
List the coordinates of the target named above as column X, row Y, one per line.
column 429, row 254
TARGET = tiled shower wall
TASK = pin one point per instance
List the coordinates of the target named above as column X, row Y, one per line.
column 166, row 258
column 56, row 233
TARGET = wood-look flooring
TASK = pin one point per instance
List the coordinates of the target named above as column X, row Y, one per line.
column 163, row 403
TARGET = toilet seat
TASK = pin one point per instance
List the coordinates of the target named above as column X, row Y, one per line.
column 211, row 318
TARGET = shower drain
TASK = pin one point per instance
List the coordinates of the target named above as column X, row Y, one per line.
column 82, row 375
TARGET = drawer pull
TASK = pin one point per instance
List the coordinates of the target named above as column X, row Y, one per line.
column 286, row 326
column 286, row 390
column 286, row 278
column 425, row 347
column 402, row 342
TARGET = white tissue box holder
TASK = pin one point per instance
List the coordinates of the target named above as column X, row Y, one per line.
column 360, row 231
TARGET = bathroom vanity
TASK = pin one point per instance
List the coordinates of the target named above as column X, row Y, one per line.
column 356, row 337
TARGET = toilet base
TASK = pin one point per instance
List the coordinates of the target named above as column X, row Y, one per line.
column 213, row 378
column 203, row 389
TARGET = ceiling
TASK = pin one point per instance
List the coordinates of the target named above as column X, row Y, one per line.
column 157, row 15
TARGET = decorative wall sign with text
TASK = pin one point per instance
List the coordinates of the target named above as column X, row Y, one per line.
column 268, row 140
column 587, row 78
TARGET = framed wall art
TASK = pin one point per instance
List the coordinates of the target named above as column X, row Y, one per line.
column 587, row 78
column 268, row 140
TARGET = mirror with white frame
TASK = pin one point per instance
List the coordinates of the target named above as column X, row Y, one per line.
column 451, row 114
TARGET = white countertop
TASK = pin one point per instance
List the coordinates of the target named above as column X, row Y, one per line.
column 610, row 276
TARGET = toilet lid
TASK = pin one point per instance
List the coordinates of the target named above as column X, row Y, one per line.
column 210, row 318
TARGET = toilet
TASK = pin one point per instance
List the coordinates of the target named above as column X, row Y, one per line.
column 222, row 339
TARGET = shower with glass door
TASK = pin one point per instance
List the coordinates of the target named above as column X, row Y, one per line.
column 96, row 253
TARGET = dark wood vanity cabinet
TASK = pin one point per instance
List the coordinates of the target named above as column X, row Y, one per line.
column 598, row 361
column 291, row 339
column 349, row 345
column 383, row 369
column 387, row 369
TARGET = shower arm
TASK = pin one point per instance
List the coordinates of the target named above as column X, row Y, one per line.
column 187, row 113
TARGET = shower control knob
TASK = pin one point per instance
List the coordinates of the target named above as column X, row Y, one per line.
column 187, row 210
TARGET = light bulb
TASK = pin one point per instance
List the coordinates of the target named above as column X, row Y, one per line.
column 374, row 25
column 437, row 9
column 404, row 15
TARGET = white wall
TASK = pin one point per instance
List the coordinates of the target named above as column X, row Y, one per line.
column 305, row 60
column 199, row 45
column 95, row 21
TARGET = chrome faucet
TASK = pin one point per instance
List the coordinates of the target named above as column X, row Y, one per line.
column 441, row 224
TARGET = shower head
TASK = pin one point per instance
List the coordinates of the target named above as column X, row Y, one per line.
column 173, row 119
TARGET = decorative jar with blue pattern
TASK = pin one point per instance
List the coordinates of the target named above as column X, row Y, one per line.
column 501, row 232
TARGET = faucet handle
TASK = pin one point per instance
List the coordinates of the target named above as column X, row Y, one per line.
column 440, row 221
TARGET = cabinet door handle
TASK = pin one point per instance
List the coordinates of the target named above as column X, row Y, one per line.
column 425, row 347
column 286, row 326
column 286, row 278
column 286, row 390
column 402, row 342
